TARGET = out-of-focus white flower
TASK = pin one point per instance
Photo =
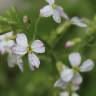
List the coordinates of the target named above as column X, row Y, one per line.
column 14, row 59
column 22, row 47
column 75, row 59
column 6, row 42
column 67, row 87
column 53, row 10
column 78, row 22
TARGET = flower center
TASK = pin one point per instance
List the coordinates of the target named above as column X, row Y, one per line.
column 76, row 69
column 54, row 6
column 29, row 49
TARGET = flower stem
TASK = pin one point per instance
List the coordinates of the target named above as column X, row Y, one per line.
column 35, row 27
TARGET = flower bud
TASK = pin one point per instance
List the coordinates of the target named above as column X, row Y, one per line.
column 26, row 19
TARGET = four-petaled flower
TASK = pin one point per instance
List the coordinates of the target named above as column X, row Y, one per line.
column 75, row 59
column 22, row 47
column 69, row 88
column 53, row 10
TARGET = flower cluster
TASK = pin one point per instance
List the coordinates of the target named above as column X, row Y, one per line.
column 70, row 78
column 57, row 12
column 17, row 46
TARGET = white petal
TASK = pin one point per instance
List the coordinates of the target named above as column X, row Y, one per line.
column 78, row 22
column 21, row 40
column 75, row 87
column 10, row 43
column 77, row 79
column 34, row 61
column 60, row 84
column 11, row 60
column 19, row 50
column 67, row 74
column 75, row 59
column 9, row 34
column 56, row 16
column 46, row 11
column 38, row 46
column 64, row 93
column 62, row 13
column 51, row 1
column 20, row 64
column 88, row 65
column 15, row 59
column 75, row 94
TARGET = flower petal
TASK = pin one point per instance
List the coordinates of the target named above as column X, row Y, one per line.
column 19, row 50
column 15, row 60
column 50, row 1
column 46, row 11
column 34, row 61
column 64, row 93
column 75, row 87
column 21, row 40
column 88, row 65
column 77, row 79
column 60, row 84
column 78, row 22
column 75, row 59
column 62, row 13
column 75, row 94
column 20, row 64
column 56, row 16
column 67, row 74
column 38, row 46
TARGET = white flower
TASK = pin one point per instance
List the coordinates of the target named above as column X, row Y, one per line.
column 14, row 59
column 78, row 22
column 22, row 47
column 65, row 85
column 67, row 88
column 75, row 59
column 6, row 43
column 53, row 10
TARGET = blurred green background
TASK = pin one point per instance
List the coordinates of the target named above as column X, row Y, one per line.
column 40, row 82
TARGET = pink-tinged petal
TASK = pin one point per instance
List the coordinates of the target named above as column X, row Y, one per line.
column 50, row 1
column 75, row 59
column 38, row 46
column 56, row 16
column 21, row 40
column 34, row 61
column 77, row 79
column 87, row 66
column 46, row 11
column 62, row 13
column 19, row 50
column 67, row 74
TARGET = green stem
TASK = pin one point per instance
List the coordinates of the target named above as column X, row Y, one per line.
column 35, row 27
